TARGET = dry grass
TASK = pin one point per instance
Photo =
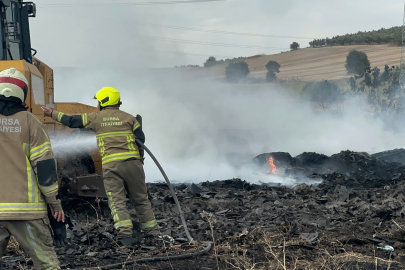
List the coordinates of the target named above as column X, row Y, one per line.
column 14, row 247
column 262, row 250
column 279, row 253
column 211, row 220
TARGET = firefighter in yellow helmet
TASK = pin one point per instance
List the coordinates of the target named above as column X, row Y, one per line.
column 116, row 132
column 28, row 175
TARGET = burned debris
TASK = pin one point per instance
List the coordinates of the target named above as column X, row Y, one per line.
column 356, row 211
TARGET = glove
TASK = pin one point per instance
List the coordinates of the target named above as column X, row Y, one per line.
column 58, row 233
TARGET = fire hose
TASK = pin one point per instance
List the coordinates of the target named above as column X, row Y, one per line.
column 183, row 220
column 143, row 147
column 206, row 249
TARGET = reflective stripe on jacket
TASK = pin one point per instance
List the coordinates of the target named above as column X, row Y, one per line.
column 115, row 130
column 28, row 169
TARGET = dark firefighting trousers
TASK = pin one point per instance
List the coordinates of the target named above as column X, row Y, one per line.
column 128, row 177
column 35, row 239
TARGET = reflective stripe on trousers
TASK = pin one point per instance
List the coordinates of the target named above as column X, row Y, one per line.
column 34, row 242
column 112, row 207
column 123, row 224
column 117, row 222
column 149, row 225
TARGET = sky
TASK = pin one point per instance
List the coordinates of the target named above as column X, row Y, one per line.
column 87, row 33
column 201, row 128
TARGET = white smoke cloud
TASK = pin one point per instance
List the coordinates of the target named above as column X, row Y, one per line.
column 200, row 128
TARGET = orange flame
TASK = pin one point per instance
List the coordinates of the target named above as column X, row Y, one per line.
column 273, row 169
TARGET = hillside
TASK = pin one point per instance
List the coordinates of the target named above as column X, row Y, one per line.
column 313, row 64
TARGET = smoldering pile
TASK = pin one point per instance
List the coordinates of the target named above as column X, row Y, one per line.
column 358, row 211
column 353, row 168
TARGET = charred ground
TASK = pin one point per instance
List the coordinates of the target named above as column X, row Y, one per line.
column 341, row 223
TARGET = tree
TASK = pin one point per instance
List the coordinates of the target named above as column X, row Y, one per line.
column 353, row 85
column 271, row 76
column 357, row 62
column 386, row 74
column 294, row 46
column 234, row 72
column 272, row 68
column 376, row 77
column 367, row 80
column 324, row 93
column 211, row 61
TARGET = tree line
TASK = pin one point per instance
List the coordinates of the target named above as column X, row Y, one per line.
column 212, row 61
column 237, row 71
column 383, row 35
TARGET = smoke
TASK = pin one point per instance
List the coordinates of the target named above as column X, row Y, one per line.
column 201, row 129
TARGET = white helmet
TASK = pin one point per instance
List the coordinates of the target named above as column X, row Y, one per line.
column 13, row 85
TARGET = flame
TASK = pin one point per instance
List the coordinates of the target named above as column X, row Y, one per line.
column 273, row 169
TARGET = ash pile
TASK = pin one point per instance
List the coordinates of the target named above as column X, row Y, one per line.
column 353, row 219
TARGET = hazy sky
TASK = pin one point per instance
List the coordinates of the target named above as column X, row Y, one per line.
column 90, row 32
column 198, row 127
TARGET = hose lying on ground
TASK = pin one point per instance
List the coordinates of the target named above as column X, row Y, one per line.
column 183, row 220
column 154, row 259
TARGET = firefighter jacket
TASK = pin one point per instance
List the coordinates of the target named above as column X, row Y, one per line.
column 116, row 132
column 28, row 169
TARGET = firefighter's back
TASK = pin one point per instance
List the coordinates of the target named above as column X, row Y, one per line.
column 20, row 192
column 114, row 130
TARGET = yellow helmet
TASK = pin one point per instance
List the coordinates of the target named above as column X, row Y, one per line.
column 108, row 96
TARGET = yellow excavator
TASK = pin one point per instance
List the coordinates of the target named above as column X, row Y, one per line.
column 78, row 175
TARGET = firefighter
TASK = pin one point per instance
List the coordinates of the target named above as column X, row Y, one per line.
column 28, row 175
column 116, row 132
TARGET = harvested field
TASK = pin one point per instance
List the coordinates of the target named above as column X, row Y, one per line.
column 314, row 64
column 354, row 219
